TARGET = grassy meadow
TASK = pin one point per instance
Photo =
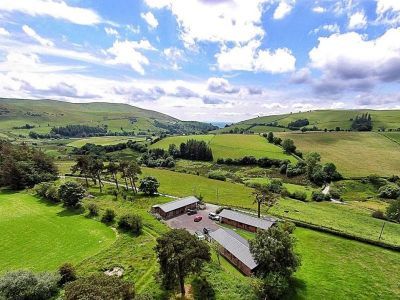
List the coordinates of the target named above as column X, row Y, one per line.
column 355, row 154
column 231, row 145
column 41, row 236
column 103, row 141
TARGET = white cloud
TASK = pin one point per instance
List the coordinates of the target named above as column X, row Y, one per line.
column 388, row 11
column 32, row 33
column 350, row 60
column 150, row 19
column 4, row 32
column 358, row 20
column 57, row 9
column 318, row 9
column 284, row 8
column 174, row 56
column 216, row 21
column 329, row 28
column 221, row 86
column 251, row 58
column 133, row 29
column 111, row 31
column 126, row 53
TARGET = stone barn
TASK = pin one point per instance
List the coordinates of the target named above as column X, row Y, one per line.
column 244, row 221
column 175, row 208
column 235, row 249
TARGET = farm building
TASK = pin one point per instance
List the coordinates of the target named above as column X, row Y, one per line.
column 175, row 208
column 244, row 221
column 235, row 249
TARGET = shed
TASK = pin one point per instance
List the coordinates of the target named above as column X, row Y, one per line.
column 245, row 221
column 175, row 208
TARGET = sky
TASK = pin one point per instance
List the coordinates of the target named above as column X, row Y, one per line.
column 206, row 60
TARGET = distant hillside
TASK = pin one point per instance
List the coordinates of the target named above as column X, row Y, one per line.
column 46, row 114
column 323, row 119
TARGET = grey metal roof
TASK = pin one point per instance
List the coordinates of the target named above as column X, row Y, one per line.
column 170, row 206
column 247, row 219
column 235, row 244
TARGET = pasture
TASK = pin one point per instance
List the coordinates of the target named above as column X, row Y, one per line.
column 41, row 236
column 103, row 141
column 355, row 154
column 231, row 146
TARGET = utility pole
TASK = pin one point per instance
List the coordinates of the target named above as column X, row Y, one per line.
column 383, row 226
column 217, row 197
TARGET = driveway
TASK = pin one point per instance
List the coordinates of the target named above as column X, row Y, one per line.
column 187, row 222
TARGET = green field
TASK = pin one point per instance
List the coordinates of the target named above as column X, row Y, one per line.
column 103, row 141
column 394, row 136
column 329, row 119
column 354, row 153
column 231, row 145
column 41, row 236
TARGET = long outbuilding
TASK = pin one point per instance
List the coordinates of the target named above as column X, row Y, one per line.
column 245, row 221
column 235, row 249
column 175, row 208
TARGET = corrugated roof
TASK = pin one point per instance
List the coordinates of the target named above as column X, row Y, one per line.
column 246, row 219
column 235, row 244
column 170, row 206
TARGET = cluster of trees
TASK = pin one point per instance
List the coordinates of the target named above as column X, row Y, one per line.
column 273, row 250
column 362, row 123
column 185, row 127
column 99, row 150
column 298, row 123
column 263, row 162
column 288, row 144
column 70, row 193
column 192, row 149
column 22, row 166
column 26, row 126
column 157, row 157
column 78, row 131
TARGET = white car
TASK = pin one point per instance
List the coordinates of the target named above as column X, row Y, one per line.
column 213, row 216
column 200, row 236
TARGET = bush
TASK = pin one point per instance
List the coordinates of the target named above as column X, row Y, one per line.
column 27, row 285
column 67, row 273
column 93, row 209
column 47, row 190
column 298, row 195
column 393, row 211
column 131, row 222
column 202, row 289
column 149, row 185
column 99, row 286
column 335, row 194
column 217, row 175
column 319, row 196
column 378, row 214
column 272, row 286
column 389, row 191
column 71, row 194
column 108, row 216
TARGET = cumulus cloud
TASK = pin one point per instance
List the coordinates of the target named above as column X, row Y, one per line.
column 150, row 19
column 216, row 21
column 4, row 32
column 211, row 100
column 182, row 92
column 221, row 86
column 284, row 8
column 126, row 53
column 57, row 9
column 358, row 20
column 250, row 58
column 388, row 11
column 301, row 76
column 352, row 61
column 32, row 33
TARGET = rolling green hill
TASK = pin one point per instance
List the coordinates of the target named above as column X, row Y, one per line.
column 45, row 114
column 329, row 119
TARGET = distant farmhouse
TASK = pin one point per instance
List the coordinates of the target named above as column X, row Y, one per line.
column 175, row 208
column 244, row 221
column 236, row 249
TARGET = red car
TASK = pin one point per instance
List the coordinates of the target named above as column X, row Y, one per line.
column 198, row 218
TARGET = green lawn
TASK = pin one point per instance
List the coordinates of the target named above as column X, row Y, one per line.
column 354, row 153
column 231, row 145
column 41, row 236
column 103, row 140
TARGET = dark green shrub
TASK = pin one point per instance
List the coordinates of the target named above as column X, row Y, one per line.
column 393, row 211
column 108, row 216
column 378, row 214
column 389, row 191
column 71, row 194
column 217, row 175
column 298, row 195
column 335, row 194
column 131, row 222
column 272, row 287
column 93, row 209
column 149, row 185
column 319, row 196
column 202, row 289
column 67, row 273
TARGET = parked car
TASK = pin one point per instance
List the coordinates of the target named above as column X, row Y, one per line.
column 198, row 218
column 213, row 216
column 199, row 235
column 191, row 212
column 206, row 230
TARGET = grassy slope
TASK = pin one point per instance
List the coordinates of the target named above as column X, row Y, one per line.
column 329, row 119
column 354, row 153
column 48, row 113
column 41, row 236
column 232, row 145
column 103, row 141
column 348, row 218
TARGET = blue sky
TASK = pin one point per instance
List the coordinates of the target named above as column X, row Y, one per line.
column 208, row 60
